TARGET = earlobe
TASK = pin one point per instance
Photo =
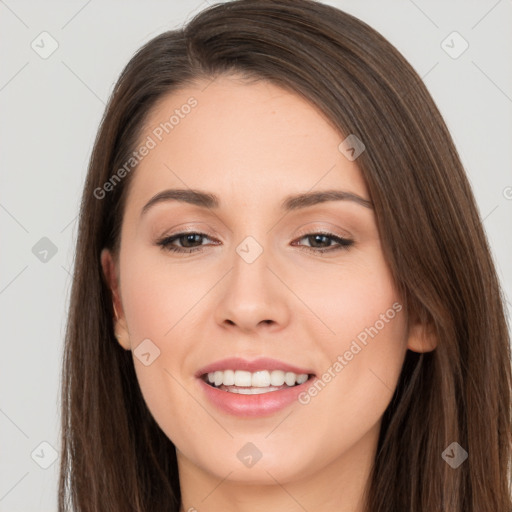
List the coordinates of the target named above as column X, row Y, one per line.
column 421, row 337
column 121, row 334
column 111, row 278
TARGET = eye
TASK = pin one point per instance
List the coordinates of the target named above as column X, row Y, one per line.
column 192, row 241
column 326, row 238
column 186, row 239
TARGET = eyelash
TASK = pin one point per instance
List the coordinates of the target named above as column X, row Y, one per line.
column 165, row 243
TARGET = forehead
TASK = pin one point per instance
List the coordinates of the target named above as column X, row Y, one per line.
column 256, row 141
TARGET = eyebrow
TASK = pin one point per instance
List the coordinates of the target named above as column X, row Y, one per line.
column 293, row 202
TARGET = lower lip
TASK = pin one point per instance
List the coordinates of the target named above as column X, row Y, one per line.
column 262, row 404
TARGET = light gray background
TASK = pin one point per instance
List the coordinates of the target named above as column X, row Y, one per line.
column 51, row 109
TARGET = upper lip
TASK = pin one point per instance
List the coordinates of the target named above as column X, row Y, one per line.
column 261, row 363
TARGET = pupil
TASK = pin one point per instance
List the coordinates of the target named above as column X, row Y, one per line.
column 316, row 237
column 190, row 238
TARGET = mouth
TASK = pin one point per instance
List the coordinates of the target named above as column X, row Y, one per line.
column 253, row 388
column 254, row 383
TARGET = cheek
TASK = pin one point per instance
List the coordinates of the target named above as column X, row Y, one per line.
column 362, row 352
column 357, row 301
column 157, row 296
column 163, row 302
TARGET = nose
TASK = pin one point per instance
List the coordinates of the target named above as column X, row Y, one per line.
column 253, row 296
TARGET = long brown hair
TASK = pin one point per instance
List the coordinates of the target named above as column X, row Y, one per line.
column 114, row 455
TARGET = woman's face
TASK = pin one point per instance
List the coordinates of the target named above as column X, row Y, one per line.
column 258, row 287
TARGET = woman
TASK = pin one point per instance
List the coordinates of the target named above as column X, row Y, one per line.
column 339, row 341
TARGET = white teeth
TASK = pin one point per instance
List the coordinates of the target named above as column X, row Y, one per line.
column 229, row 378
column 248, row 391
column 289, row 378
column 303, row 377
column 259, row 379
column 242, row 378
column 218, row 378
column 277, row 378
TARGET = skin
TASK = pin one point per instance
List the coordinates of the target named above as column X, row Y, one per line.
column 252, row 145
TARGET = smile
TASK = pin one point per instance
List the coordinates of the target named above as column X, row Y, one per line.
column 256, row 388
column 254, row 383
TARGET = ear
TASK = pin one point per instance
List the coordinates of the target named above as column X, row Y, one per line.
column 111, row 277
column 421, row 334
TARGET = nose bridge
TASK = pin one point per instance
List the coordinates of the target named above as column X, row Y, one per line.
column 250, row 276
column 252, row 294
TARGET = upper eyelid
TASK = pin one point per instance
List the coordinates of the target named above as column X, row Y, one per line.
column 301, row 229
column 306, row 233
